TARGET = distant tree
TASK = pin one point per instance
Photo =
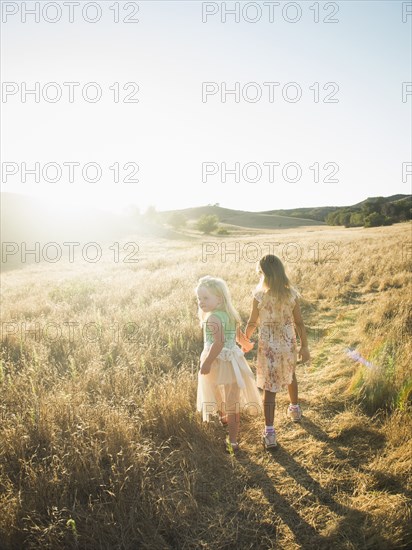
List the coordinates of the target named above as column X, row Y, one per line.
column 388, row 209
column 356, row 219
column 373, row 205
column 207, row 223
column 405, row 214
column 344, row 218
column 177, row 220
column 387, row 221
column 403, row 210
column 332, row 218
column 374, row 219
column 222, row 231
column 374, row 212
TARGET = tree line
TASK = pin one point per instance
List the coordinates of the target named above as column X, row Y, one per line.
column 372, row 213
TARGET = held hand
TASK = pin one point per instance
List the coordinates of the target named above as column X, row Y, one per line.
column 304, row 354
column 205, row 368
column 247, row 346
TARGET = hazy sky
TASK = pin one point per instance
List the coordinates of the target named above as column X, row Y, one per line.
column 177, row 143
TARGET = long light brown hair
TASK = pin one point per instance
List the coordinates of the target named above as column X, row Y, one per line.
column 273, row 278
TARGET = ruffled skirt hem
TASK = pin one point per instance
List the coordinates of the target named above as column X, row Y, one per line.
column 230, row 386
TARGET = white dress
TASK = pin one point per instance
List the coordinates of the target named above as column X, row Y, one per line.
column 230, row 385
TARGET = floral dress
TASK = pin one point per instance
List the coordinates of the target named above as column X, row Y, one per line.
column 277, row 350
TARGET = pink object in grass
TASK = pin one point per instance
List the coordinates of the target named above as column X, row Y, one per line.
column 356, row 356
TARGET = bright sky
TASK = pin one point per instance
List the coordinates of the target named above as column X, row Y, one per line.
column 173, row 145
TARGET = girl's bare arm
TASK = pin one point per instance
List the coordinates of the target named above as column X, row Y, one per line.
column 216, row 328
column 253, row 319
column 300, row 327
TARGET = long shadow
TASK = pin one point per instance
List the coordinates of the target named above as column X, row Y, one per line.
column 365, row 433
column 350, row 526
column 320, row 434
column 383, row 480
column 305, row 535
column 302, row 476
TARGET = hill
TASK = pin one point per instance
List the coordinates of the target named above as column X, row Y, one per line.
column 391, row 198
column 26, row 221
column 242, row 218
column 320, row 213
column 373, row 212
column 293, row 217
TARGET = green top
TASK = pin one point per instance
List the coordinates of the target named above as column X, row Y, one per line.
column 229, row 329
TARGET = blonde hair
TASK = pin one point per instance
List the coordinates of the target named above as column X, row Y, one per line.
column 273, row 278
column 219, row 288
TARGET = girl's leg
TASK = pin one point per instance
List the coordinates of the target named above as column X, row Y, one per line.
column 269, row 407
column 219, row 400
column 232, row 393
column 233, row 422
column 293, row 390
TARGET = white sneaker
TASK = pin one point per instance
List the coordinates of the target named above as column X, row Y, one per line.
column 295, row 413
column 269, row 441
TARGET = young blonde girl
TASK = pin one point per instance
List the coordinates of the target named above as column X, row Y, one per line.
column 225, row 381
column 276, row 308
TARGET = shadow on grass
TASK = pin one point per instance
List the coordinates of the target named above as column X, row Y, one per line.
column 349, row 524
column 362, row 439
column 304, row 534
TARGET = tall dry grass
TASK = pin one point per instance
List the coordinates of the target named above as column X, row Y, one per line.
column 101, row 446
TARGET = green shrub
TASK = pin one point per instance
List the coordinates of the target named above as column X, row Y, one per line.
column 208, row 223
column 222, row 231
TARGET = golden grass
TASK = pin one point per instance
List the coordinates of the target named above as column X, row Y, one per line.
column 101, row 446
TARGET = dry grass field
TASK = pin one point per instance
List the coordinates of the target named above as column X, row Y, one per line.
column 100, row 443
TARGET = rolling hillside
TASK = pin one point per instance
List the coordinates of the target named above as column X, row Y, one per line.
column 28, row 220
column 241, row 218
column 320, row 213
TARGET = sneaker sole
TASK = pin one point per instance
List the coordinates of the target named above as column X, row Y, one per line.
column 294, row 419
column 268, row 447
